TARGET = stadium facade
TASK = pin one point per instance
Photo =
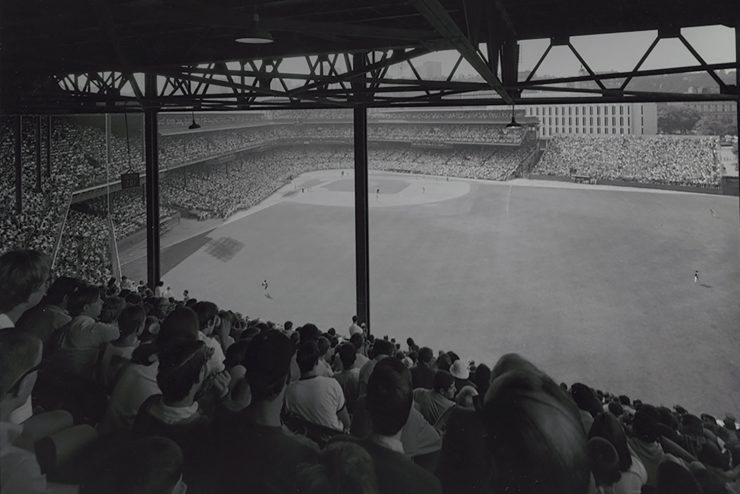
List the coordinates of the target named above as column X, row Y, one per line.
column 595, row 119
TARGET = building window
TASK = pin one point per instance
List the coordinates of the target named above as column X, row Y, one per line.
column 590, row 110
column 598, row 131
column 614, row 120
column 591, row 121
column 621, row 121
column 598, row 119
column 621, row 130
column 598, row 110
column 621, row 110
column 570, row 120
column 549, row 110
column 614, row 131
column 642, row 121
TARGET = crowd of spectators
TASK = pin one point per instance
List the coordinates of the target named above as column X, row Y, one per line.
column 276, row 155
column 501, row 116
column 127, row 210
column 673, row 160
column 119, row 388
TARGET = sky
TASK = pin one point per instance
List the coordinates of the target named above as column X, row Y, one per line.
column 604, row 53
column 617, row 52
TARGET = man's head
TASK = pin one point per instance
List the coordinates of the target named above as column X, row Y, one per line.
column 426, row 355
column 60, row 290
column 180, row 325
column 645, row 423
column 308, row 356
column 358, row 341
column 131, row 320
column 182, row 369
column 534, row 432
column 20, row 354
column 347, row 355
column 24, row 275
column 324, row 346
column 389, row 397
column 112, row 307
column 133, row 298
column 267, row 361
column 354, row 319
column 383, row 347
column 85, row 300
column 309, row 332
column 207, row 316
column 444, row 384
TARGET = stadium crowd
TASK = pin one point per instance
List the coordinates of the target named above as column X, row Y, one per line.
column 128, row 390
column 279, row 151
column 674, row 160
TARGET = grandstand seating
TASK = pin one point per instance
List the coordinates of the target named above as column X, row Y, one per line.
column 674, row 160
column 78, row 161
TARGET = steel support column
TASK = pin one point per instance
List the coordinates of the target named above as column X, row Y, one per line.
column 151, row 152
column 362, row 252
column 737, row 89
column 38, row 153
column 362, row 245
column 48, row 146
column 18, row 167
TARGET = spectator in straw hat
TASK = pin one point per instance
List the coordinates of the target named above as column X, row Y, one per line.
column 461, row 373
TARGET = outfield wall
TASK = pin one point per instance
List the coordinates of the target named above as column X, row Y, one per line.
column 627, row 183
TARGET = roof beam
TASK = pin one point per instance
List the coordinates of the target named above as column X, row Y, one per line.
column 438, row 17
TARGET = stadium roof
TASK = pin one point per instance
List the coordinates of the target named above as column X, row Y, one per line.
column 91, row 55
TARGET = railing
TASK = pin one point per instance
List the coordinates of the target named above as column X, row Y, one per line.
column 58, row 243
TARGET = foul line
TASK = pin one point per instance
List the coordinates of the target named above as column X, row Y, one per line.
column 508, row 200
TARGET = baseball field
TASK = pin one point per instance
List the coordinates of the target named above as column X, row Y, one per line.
column 593, row 284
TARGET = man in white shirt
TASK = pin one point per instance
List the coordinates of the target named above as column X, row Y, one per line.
column 354, row 327
column 381, row 349
column 24, row 278
column 317, row 399
column 358, row 341
column 433, row 403
column 78, row 343
column 208, row 319
column 117, row 353
column 20, row 356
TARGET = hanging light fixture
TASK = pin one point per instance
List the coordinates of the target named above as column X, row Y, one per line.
column 193, row 125
column 256, row 34
column 513, row 124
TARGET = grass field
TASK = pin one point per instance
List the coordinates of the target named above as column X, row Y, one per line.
column 592, row 284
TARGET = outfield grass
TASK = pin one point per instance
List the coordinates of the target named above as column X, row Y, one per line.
column 592, row 285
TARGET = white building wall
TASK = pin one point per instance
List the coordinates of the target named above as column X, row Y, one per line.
column 596, row 119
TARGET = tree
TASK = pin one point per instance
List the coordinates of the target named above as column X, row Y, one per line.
column 716, row 125
column 677, row 119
